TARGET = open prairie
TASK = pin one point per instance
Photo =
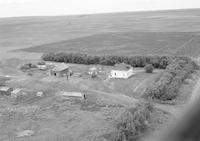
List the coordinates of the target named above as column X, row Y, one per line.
column 156, row 32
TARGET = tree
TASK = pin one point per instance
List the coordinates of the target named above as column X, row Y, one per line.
column 149, row 68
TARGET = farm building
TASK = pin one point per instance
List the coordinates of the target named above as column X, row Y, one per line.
column 60, row 70
column 42, row 67
column 92, row 70
column 121, row 71
column 40, row 94
column 5, row 90
column 73, row 94
column 16, row 92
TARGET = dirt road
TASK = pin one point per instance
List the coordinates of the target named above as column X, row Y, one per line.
column 117, row 97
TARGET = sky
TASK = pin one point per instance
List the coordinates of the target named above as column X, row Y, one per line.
column 15, row 8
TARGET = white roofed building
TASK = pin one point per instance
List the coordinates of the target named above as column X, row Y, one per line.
column 121, row 71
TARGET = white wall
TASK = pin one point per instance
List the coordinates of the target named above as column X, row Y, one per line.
column 121, row 74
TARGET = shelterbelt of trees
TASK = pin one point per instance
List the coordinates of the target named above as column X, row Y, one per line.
column 136, row 61
column 165, row 87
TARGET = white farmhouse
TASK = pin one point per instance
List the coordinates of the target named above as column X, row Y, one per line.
column 121, row 71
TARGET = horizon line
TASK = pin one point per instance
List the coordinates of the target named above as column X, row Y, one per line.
column 102, row 13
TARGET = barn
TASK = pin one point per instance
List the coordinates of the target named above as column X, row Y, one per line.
column 60, row 70
column 121, row 71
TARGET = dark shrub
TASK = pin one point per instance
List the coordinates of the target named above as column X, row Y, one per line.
column 149, row 68
column 133, row 122
column 41, row 63
column 167, row 85
column 27, row 66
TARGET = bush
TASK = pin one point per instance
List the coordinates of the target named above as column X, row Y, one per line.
column 27, row 66
column 133, row 123
column 149, row 68
column 41, row 63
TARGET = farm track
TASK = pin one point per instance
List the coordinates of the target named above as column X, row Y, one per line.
column 131, row 102
column 190, row 48
column 122, row 98
column 183, row 45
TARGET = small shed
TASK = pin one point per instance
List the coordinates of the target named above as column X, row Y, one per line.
column 40, row 94
column 16, row 92
column 5, row 90
column 93, row 70
column 60, row 70
column 42, row 67
column 74, row 94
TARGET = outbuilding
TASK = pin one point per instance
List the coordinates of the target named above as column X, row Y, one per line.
column 42, row 67
column 73, row 95
column 16, row 92
column 121, row 71
column 5, row 90
column 93, row 70
column 60, row 70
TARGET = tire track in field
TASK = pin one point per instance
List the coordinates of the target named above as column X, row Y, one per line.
column 190, row 48
column 140, row 85
column 184, row 44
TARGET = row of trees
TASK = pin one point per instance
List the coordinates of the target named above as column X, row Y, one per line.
column 136, row 61
column 167, row 85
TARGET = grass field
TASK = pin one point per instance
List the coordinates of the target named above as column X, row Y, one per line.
column 53, row 117
column 157, row 32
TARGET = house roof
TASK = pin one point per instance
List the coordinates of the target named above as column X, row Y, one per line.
column 72, row 94
column 60, row 67
column 4, row 89
column 122, row 67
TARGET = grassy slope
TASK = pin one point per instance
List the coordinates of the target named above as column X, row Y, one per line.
column 157, row 32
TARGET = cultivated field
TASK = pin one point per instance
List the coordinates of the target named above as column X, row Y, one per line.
column 160, row 32
column 129, row 43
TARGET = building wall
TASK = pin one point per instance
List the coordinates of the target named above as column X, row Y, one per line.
column 64, row 73
column 6, row 92
column 59, row 73
column 121, row 74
